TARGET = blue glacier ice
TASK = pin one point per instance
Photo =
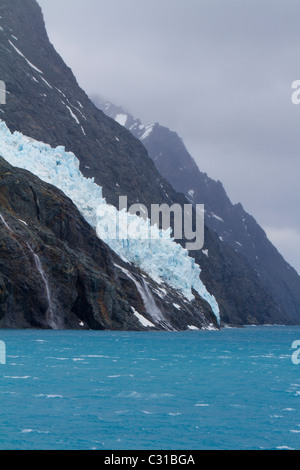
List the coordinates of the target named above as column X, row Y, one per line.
column 160, row 257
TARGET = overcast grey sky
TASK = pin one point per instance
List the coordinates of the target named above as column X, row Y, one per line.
column 217, row 72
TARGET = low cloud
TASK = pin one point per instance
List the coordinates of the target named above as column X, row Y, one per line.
column 219, row 73
column 288, row 242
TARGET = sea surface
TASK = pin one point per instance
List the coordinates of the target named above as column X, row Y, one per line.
column 229, row 389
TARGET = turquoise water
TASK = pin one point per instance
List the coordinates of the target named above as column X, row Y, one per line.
column 232, row 389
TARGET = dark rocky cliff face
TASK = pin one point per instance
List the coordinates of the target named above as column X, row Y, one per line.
column 50, row 106
column 56, row 273
column 45, row 102
column 231, row 222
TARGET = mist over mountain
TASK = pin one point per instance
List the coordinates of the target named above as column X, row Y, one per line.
column 231, row 222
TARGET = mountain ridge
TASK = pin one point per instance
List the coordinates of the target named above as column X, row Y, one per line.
column 232, row 223
column 45, row 103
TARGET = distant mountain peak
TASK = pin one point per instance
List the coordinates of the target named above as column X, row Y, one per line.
column 232, row 223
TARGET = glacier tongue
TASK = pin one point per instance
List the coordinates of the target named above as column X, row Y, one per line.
column 162, row 259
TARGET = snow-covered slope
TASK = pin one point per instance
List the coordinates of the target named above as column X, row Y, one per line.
column 161, row 258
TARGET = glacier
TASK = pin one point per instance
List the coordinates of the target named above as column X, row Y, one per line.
column 164, row 260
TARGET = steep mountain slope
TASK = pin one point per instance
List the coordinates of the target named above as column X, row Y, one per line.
column 56, row 273
column 45, row 102
column 53, row 268
column 232, row 223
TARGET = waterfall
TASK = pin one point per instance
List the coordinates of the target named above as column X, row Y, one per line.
column 5, row 223
column 41, row 271
column 148, row 300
